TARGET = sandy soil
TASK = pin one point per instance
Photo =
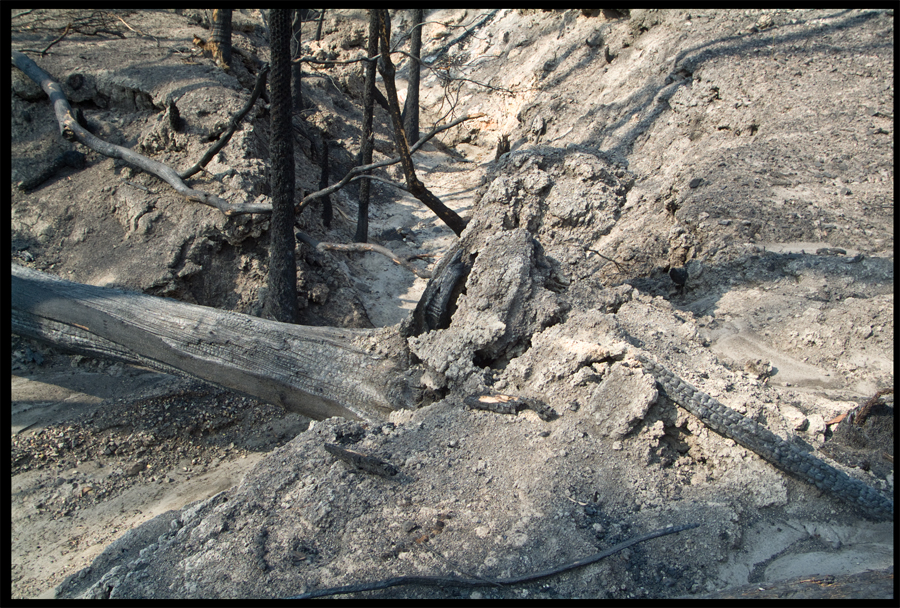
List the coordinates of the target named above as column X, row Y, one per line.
column 740, row 159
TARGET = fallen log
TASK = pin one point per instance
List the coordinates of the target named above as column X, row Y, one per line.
column 317, row 371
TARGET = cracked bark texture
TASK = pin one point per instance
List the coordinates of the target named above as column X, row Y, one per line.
column 367, row 144
column 317, row 371
column 770, row 446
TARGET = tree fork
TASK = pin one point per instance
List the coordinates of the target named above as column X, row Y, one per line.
column 416, row 187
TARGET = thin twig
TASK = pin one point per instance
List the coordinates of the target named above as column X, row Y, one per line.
column 422, row 274
column 455, row 581
column 384, row 163
column 382, row 180
column 66, row 31
column 128, row 26
column 139, row 33
column 607, row 259
column 333, row 62
column 440, row 73
column 232, row 127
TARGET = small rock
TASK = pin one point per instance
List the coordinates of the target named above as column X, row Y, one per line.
column 679, row 276
column 758, row 368
column 319, row 293
column 135, row 469
column 795, row 418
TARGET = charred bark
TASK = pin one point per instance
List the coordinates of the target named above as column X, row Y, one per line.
column 319, row 25
column 220, row 37
column 411, row 107
column 327, row 207
column 297, row 68
column 438, row 301
column 281, row 303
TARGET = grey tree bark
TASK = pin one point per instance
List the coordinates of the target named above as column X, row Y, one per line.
column 281, row 302
column 317, row 371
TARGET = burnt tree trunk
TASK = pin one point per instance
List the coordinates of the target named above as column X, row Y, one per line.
column 281, row 302
column 365, row 152
column 411, row 107
column 413, row 184
column 220, row 37
column 316, row 371
column 319, row 25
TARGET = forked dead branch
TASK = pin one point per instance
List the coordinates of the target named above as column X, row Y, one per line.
column 71, row 130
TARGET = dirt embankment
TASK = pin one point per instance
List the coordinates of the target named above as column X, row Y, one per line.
column 710, row 189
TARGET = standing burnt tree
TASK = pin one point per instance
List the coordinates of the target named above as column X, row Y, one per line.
column 411, row 107
column 281, row 303
column 220, row 38
column 365, row 152
column 296, row 67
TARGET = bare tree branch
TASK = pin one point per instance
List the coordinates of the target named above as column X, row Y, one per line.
column 71, row 130
column 382, row 180
column 455, row 581
column 422, row 274
column 384, row 163
column 333, row 62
